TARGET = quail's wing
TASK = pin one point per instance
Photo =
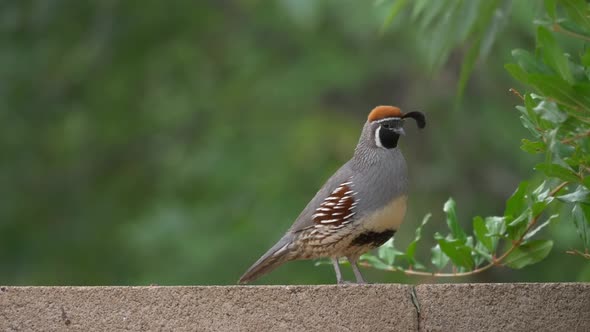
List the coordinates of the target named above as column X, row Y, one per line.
column 334, row 205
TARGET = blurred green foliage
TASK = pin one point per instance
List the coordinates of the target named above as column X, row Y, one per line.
column 559, row 122
column 174, row 142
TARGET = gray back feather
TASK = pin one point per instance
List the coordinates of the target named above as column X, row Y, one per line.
column 378, row 175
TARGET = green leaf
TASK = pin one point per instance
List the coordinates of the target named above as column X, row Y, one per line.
column 550, row 7
column 433, row 10
column 540, row 227
column 517, row 72
column 520, row 219
column 467, row 67
column 541, row 199
column 526, row 122
column 411, row 249
column 517, row 226
column 480, row 254
column 496, row 228
column 558, row 89
column 529, row 63
column 550, row 112
column 396, row 8
column 578, row 11
column 573, row 27
column 517, row 202
column 439, row 259
column 586, row 58
column 541, row 193
column 580, row 195
column 532, row 147
column 558, row 171
column 419, row 266
column 539, row 207
column 581, row 217
column 459, row 253
column 452, row 222
column 552, row 54
column 530, row 104
column 375, row 262
column 529, row 253
column 387, row 252
column 482, row 233
column 419, row 6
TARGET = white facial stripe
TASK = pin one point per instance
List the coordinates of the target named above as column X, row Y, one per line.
column 388, row 119
column 377, row 139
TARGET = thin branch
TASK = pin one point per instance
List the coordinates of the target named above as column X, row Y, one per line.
column 585, row 254
column 573, row 138
column 558, row 188
column 516, row 93
column 559, row 28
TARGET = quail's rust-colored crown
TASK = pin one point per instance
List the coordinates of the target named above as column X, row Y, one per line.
column 382, row 112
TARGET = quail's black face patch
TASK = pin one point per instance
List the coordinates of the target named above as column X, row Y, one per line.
column 373, row 239
column 387, row 132
column 388, row 138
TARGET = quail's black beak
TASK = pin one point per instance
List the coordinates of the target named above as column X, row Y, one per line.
column 400, row 131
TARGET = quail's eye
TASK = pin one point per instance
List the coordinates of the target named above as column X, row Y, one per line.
column 386, row 125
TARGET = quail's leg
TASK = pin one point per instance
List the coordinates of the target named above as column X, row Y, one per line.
column 357, row 272
column 337, row 270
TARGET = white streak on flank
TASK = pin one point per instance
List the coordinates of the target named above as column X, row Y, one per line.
column 338, row 191
column 377, row 139
column 329, row 221
column 324, row 209
column 350, row 215
column 318, row 215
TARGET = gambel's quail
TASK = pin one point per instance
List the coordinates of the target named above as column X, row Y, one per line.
column 358, row 209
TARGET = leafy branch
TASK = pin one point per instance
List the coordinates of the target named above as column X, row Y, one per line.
column 505, row 258
column 557, row 115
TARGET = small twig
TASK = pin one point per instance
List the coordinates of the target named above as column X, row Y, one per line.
column 558, row 28
column 584, row 254
column 558, row 188
column 573, row 138
column 516, row 93
column 495, row 261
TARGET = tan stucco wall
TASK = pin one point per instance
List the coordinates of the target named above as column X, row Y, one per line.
column 391, row 307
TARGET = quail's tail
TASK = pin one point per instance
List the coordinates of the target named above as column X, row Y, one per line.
column 275, row 256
